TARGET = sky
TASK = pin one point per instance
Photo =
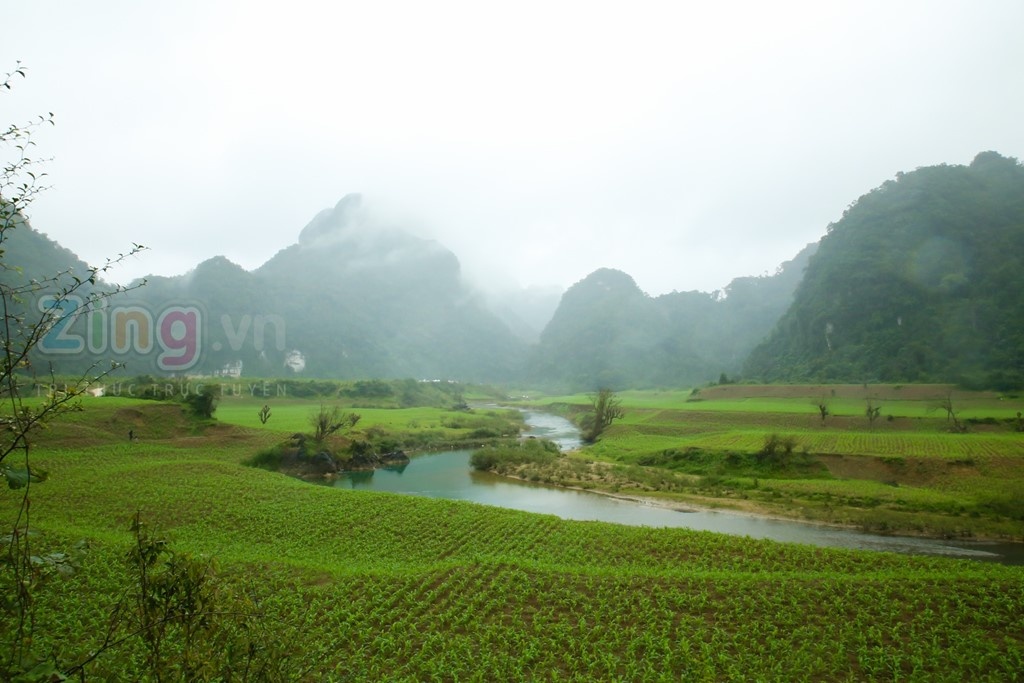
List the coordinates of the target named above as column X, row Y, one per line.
column 686, row 143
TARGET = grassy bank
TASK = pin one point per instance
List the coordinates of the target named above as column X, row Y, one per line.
column 906, row 471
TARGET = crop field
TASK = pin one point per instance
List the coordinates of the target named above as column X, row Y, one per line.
column 353, row 585
column 645, row 430
column 911, row 401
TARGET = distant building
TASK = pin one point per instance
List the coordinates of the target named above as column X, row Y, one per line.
column 233, row 370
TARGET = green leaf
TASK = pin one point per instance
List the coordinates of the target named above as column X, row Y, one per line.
column 17, row 479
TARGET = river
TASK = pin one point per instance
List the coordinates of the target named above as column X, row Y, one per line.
column 449, row 475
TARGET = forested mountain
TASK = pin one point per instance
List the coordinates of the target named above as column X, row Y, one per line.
column 921, row 280
column 607, row 332
column 353, row 298
column 357, row 299
column 31, row 266
column 30, row 255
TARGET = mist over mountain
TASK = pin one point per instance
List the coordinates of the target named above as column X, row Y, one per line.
column 608, row 333
column 526, row 311
column 921, row 280
column 352, row 298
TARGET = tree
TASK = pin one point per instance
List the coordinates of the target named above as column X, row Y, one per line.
column 264, row 414
column 177, row 616
column 30, row 308
column 203, row 402
column 823, row 409
column 605, row 408
column 872, row 411
column 327, row 421
column 952, row 413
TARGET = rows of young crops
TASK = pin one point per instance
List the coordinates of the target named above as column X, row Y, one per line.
column 640, row 439
column 486, row 622
column 512, row 619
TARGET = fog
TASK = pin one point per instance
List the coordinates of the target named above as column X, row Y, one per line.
column 684, row 143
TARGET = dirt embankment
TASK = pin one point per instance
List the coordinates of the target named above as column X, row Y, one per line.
column 884, row 392
column 904, row 471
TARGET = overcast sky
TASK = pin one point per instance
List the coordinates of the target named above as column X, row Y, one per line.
column 685, row 143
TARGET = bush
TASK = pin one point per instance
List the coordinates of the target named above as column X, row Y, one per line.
column 530, row 451
column 203, row 403
column 267, row 459
column 777, row 448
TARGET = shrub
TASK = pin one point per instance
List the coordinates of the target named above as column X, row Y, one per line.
column 267, row 459
column 203, row 403
column 530, row 451
column 777, row 448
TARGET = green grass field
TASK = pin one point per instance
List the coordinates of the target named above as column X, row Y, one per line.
column 843, row 400
column 292, row 415
column 350, row 585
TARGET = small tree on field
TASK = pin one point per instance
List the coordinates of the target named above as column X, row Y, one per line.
column 952, row 413
column 264, row 414
column 823, row 409
column 327, row 421
column 605, row 408
column 872, row 411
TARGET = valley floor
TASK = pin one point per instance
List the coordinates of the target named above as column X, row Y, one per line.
column 312, row 583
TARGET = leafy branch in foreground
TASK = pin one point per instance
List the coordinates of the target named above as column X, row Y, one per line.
column 31, row 306
column 186, row 623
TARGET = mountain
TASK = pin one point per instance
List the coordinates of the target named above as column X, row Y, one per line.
column 30, row 255
column 606, row 332
column 33, row 266
column 920, row 280
column 353, row 298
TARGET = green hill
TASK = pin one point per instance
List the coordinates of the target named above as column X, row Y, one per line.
column 920, row 281
column 607, row 332
column 353, row 298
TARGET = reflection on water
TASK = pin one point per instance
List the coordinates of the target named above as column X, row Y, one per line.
column 449, row 475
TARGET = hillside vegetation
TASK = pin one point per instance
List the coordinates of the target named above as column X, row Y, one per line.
column 606, row 332
column 920, row 281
